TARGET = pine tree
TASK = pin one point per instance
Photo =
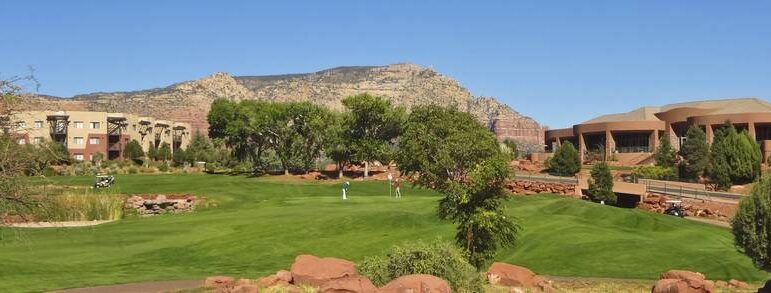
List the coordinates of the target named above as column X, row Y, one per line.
column 665, row 154
column 695, row 152
column 565, row 161
column 601, row 185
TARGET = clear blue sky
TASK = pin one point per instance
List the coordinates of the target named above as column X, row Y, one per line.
column 560, row 62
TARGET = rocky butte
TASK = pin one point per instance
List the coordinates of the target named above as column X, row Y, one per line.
column 404, row 84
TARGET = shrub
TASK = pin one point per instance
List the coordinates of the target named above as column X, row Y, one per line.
column 751, row 225
column 164, row 167
column 695, row 152
column 133, row 151
column 655, row 172
column 735, row 157
column 601, row 184
column 438, row 258
column 566, row 161
column 665, row 154
column 132, row 170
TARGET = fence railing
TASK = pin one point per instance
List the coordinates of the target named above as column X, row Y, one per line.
column 689, row 192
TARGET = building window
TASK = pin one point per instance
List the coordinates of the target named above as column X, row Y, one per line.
column 93, row 140
column 95, row 125
column 21, row 141
column 21, row 125
column 78, row 157
column 38, row 124
column 79, row 124
column 77, row 140
column 37, row 140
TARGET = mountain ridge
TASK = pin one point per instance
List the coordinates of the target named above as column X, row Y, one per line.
column 405, row 84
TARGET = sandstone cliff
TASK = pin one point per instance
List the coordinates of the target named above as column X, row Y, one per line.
column 405, row 84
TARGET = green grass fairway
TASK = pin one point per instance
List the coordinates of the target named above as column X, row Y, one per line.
column 261, row 224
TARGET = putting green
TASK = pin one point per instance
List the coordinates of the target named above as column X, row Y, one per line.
column 261, row 224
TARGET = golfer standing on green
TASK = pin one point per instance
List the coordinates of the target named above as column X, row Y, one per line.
column 345, row 189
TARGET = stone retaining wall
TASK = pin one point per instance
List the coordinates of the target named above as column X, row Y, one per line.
column 533, row 187
column 153, row 204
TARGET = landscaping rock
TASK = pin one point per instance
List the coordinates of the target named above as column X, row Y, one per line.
column 219, row 282
column 510, row 275
column 315, row 271
column 271, row 281
column 416, row 284
column 680, row 281
column 284, row 276
column 738, row 284
column 247, row 288
column 359, row 284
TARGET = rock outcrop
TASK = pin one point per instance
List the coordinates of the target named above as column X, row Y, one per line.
column 315, row 271
column 406, row 85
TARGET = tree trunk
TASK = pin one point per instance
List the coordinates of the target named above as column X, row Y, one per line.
column 340, row 170
column 286, row 171
column 366, row 169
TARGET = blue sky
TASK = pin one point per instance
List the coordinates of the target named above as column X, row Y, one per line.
column 560, row 62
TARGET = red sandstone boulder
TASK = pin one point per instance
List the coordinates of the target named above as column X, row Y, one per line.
column 416, row 284
column 315, row 271
column 270, row 281
column 510, row 275
column 284, row 275
column 245, row 288
column 679, row 281
column 359, row 284
column 219, row 282
column 738, row 284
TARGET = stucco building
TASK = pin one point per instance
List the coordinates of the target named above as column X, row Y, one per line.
column 87, row 133
column 632, row 137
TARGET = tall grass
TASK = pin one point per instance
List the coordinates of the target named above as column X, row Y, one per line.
column 88, row 205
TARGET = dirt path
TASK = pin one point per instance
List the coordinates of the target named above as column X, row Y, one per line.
column 56, row 224
column 144, row 287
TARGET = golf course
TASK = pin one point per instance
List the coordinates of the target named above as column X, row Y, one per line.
column 253, row 226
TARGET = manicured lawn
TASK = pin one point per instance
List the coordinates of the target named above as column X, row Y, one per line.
column 261, row 224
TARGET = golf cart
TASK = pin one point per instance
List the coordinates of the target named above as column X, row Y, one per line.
column 675, row 208
column 104, row 181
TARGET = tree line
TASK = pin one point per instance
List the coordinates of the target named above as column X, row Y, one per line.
column 438, row 147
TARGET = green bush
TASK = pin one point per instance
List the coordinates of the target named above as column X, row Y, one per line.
column 751, row 225
column 163, row 167
column 695, row 152
column 665, row 155
column 601, row 184
column 132, row 170
column 438, row 258
column 654, row 172
column 735, row 157
column 566, row 161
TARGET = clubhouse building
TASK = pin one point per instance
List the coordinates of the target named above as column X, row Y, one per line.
column 632, row 137
column 86, row 133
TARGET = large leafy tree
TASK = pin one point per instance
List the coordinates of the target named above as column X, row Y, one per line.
column 566, row 161
column 243, row 127
column 452, row 152
column 601, row 185
column 371, row 128
column 665, row 155
column 695, row 152
column 335, row 145
column 735, row 157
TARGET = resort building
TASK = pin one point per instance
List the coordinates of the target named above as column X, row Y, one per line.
column 632, row 137
column 87, row 133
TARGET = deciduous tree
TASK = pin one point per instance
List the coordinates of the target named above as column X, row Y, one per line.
column 371, row 128
column 452, row 152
